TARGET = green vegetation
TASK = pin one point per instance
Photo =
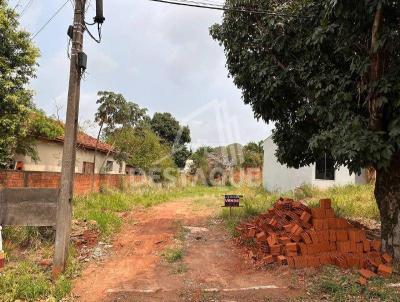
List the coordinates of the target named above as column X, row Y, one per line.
column 18, row 57
column 353, row 201
column 349, row 201
column 343, row 106
column 143, row 150
column 173, row 134
column 334, row 285
column 173, row 254
column 26, row 280
column 104, row 208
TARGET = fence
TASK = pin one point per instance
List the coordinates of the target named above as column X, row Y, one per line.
column 83, row 182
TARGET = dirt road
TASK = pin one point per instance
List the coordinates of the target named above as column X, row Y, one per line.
column 211, row 268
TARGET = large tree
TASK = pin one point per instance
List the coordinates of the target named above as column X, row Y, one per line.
column 115, row 112
column 141, row 148
column 17, row 66
column 327, row 73
column 173, row 134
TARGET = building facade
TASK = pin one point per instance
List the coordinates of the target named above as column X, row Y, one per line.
column 50, row 157
column 322, row 174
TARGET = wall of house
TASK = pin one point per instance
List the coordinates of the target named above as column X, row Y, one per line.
column 50, row 157
column 277, row 177
column 342, row 177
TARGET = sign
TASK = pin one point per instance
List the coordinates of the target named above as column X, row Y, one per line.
column 232, row 201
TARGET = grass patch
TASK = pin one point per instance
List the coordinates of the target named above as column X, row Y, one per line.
column 255, row 201
column 104, row 208
column 348, row 201
column 335, row 285
column 173, row 254
column 28, row 282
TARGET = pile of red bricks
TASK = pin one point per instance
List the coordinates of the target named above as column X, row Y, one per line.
column 291, row 233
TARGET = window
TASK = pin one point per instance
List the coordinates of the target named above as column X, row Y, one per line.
column 325, row 168
column 88, row 168
column 109, row 165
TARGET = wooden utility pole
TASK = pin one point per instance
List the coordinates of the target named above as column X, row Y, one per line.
column 64, row 208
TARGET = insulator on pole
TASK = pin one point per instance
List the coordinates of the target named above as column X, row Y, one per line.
column 99, row 12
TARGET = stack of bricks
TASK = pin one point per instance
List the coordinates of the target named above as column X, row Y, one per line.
column 291, row 233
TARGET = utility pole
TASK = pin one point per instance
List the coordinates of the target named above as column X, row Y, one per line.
column 64, row 209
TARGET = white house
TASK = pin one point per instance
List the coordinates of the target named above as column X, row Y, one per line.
column 322, row 174
column 50, row 157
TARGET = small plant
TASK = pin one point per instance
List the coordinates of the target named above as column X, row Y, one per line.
column 173, row 254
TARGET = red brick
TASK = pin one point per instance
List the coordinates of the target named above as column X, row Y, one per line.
column 362, row 281
column 387, row 258
column 318, row 224
column 384, row 270
column 376, row 245
column 282, row 260
column 261, row 236
column 325, row 203
column 275, row 250
column 291, row 262
column 318, row 213
column 332, row 235
column 303, row 248
column 306, row 238
column 332, row 223
column 367, row 274
column 341, row 235
column 343, row 246
column 342, row 223
column 360, row 247
column 313, row 236
column 305, row 216
column 272, row 239
column 329, row 213
column 251, row 233
column 367, row 245
column 284, row 240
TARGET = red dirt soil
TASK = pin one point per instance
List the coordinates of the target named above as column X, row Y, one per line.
column 214, row 269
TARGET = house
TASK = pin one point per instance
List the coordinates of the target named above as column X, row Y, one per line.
column 50, row 157
column 322, row 174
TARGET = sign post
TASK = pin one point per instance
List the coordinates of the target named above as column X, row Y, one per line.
column 232, row 201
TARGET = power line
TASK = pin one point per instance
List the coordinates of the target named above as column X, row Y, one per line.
column 16, row 5
column 51, row 18
column 27, row 5
column 221, row 7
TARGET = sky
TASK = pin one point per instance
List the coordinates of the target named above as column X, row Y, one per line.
column 157, row 55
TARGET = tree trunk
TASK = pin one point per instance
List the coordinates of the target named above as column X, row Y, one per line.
column 387, row 194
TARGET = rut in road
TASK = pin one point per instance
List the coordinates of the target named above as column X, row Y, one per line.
column 211, row 268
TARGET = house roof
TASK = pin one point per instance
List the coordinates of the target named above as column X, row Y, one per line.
column 85, row 141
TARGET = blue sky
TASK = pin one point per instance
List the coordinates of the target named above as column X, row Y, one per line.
column 159, row 56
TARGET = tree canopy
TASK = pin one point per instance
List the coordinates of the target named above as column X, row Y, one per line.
column 326, row 73
column 307, row 70
column 172, row 133
column 17, row 66
column 142, row 149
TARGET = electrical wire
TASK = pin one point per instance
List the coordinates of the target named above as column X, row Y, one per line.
column 98, row 40
column 27, row 5
column 221, row 7
column 16, row 5
column 51, row 18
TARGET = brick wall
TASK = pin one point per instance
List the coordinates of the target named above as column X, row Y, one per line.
column 82, row 182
